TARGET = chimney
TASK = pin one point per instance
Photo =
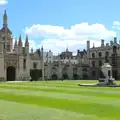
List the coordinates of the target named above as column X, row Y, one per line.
column 111, row 43
column 78, row 51
column 88, row 45
column 107, row 44
column 115, row 39
column 102, row 43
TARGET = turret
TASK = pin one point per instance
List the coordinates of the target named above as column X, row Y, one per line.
column 42, row 62
column 88, row 45
column 16, row 46
column 42, row 50
column 93, row 45
column 31, row 50
column 20, row 45
column 26, row 45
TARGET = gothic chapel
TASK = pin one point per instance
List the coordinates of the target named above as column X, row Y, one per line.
column 14, row 60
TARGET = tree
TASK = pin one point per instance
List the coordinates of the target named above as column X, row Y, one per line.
column 35, row 74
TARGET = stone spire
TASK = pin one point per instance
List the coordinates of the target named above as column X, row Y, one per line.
column 26, row 41
column 15, row 44
column 67, row 48
column 5, row 19
column 20, row 41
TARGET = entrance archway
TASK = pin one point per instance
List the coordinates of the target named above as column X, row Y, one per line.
column 75, row 77
column 11, row 73
column 65, row 76
column 54, row 77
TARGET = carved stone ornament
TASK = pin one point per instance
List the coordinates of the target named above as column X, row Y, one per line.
column 11, row 63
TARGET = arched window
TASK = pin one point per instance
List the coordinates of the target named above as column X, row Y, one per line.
column 100, row 63
column 93, row 55
column 93, row 63
column 100, row 54
column 114, row 49
column 107, row 53
column 93, row 73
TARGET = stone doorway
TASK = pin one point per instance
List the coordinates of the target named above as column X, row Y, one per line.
column 54, row 77
column 11, row 73
column 65, row 76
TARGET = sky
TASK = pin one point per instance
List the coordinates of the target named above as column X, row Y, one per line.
column 58, row 24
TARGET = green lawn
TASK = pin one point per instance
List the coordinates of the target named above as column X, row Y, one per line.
column 58, row 100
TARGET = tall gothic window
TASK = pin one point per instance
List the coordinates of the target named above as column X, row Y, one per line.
column 24, row 64
column 100, row 54
column 34, row 65
column 114, row 49
column 8, row 47
column 100, row 63
column 93, row 63
column 93, row 55
column 94, row 73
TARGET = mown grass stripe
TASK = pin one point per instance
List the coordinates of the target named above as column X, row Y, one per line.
column 81, row 91
column 20, row 111
column 62, row 84
column 81, row 98
column 76, row 106
column 103, row 89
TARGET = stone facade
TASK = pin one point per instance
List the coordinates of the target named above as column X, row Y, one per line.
column 87, row 63
column 16, row 61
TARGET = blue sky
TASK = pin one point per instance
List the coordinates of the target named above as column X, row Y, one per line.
column 63, row 13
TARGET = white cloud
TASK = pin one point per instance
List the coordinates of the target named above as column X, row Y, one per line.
column 57, row 38
column 3, row 2
column 116, row 25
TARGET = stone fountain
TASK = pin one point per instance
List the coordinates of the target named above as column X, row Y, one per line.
column 107, row 72
column 107, row 80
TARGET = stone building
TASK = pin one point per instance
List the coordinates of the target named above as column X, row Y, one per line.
column 68, row 66
column 96, row 57
column 16, row 62
column 87, row 63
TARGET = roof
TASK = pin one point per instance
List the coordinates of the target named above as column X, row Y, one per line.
column 34, row 57
column 8, row 30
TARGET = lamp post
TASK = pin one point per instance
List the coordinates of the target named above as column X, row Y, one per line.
column 42, row 61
